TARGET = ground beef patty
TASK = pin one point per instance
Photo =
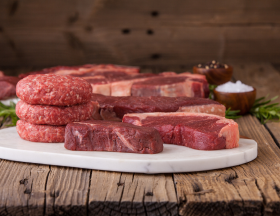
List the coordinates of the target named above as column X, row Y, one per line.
column 40, row 133
column 51, row 89
column 55, row 115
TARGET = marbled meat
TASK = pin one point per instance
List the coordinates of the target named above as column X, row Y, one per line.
column 195, row 130
column 117, row 107
column 94, row 135
column 169, row 86
column 55, row 115
column 84, row 69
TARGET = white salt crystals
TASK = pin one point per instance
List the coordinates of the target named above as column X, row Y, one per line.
column 234, row 87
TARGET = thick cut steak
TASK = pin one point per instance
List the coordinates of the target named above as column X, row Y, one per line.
column 169, row 86
column 194, row 130
column 132, row 104
column 94, row 135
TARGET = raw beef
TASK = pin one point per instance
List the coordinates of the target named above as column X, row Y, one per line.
column 84, row 69
column 114, row 84
column 194, row 130
column 198, row 78
column 40, row 133
column 7, row 86
column 112, row 107
column 169, row 86
column 51, row 89
column 55, row 115
column 96, row 135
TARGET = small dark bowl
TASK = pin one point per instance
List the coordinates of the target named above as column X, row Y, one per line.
column 242, row 101
column 215, row 76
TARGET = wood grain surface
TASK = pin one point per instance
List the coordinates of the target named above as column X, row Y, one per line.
column 139, row 32
column 249, row 189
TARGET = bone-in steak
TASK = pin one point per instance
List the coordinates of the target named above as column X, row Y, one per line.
column 94, row 135
column 194, row 130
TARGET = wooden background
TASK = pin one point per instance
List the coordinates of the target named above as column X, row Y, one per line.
column 137, row 32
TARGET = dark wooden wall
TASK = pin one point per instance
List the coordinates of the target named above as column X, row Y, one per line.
column 137, row 32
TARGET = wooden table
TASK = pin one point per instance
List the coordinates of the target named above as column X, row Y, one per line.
column 249, row 189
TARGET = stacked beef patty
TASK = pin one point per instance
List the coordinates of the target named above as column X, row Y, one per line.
column 48, row 103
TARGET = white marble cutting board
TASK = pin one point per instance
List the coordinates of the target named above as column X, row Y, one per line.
column 173, row 158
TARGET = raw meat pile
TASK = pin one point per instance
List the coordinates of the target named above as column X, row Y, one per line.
column 48, row 103
column 114, row 108
column 167, row 107
column 114, row 80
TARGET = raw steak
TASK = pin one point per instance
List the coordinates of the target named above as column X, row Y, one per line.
column 122, row 87
column 51, row 89
column 7, row 86
column 94, row 135
column 169, row 86
column 83, row 69
column 195, row 130
column 198, row 78
column 55, row 115
column 132, row 104
column 114, row 83
column 40, row 133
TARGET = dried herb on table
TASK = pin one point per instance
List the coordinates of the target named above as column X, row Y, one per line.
column 265, row 111
column 9, row 111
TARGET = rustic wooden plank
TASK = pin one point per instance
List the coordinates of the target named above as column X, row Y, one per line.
column 182, row 45
column 249, row 189
column 274, row 128
column 22, row 188
column 143, row 13
column 113, row 193
column 67, row 191
column 133, row 32
column 263, row 76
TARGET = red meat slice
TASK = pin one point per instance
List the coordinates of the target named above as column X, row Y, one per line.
column 84, row 69
column 40, row 133
column 132, row 104
column 194, row 130
column 55, row 115
column 169, row 86
column 94, row 135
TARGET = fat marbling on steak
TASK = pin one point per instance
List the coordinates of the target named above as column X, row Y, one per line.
column 94, row 135
column 119, row 106
column 195, row 130
column 169, row 86
column 84, row 69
